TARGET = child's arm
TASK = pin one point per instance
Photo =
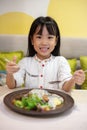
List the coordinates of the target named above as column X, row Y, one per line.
column 11, row 68
column 77, row 78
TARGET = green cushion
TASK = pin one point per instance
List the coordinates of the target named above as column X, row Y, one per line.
column 9, row 56
column 83, row 62
column 73, row 64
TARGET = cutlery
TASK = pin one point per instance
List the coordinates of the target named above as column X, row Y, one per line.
column 85, row 71
column 58, row 81
column 51, row 82
column 32, row 75
column 7, row 60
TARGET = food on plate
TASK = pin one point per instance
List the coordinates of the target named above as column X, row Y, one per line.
column 39, row 100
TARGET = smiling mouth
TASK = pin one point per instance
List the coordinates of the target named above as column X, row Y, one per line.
column 44, row 49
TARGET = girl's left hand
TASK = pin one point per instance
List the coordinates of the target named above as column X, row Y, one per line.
column 79, row 77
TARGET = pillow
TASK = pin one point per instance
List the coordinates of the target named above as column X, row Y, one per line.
column 9, row 56
column 83, row 62
column 73, row 64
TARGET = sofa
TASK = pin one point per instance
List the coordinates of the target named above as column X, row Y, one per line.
column 71, row 47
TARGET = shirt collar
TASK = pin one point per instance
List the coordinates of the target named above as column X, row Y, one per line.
column 45, row 60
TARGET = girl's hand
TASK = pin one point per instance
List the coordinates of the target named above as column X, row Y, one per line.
column 79, row 77
column 11, row 66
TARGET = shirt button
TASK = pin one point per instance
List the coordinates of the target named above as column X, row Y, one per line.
column 41, row 75
column 41, row 87
column 42, row 65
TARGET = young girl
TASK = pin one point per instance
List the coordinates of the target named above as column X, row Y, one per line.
column 43, row 63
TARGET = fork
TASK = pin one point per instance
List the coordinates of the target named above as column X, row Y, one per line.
column 58, row 81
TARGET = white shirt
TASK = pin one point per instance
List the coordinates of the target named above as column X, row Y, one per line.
column 52, row 69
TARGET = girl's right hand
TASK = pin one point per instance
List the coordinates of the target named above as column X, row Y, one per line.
column 11, row 66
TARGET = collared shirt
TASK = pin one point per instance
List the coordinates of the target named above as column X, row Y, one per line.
column 41, row 72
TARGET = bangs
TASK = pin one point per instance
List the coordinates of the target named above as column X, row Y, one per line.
column 50, row 28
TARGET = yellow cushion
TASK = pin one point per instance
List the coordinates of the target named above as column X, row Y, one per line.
column 9, row 56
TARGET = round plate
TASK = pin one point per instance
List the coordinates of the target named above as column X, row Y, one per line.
column 68, row 103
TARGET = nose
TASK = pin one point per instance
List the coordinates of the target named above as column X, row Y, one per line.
column 44, row 41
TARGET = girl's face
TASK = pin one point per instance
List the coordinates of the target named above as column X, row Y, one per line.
column 43, row 44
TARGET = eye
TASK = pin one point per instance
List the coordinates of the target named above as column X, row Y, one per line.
column 38, row 37
column 50, row 37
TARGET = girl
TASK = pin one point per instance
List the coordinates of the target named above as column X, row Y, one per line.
column 43, row 62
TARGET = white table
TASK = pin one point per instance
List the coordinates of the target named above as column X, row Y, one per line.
column 74, row 119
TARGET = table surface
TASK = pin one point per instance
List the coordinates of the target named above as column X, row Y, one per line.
column 73, row 119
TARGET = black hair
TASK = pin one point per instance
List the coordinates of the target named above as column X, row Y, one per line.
column 52, row 28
